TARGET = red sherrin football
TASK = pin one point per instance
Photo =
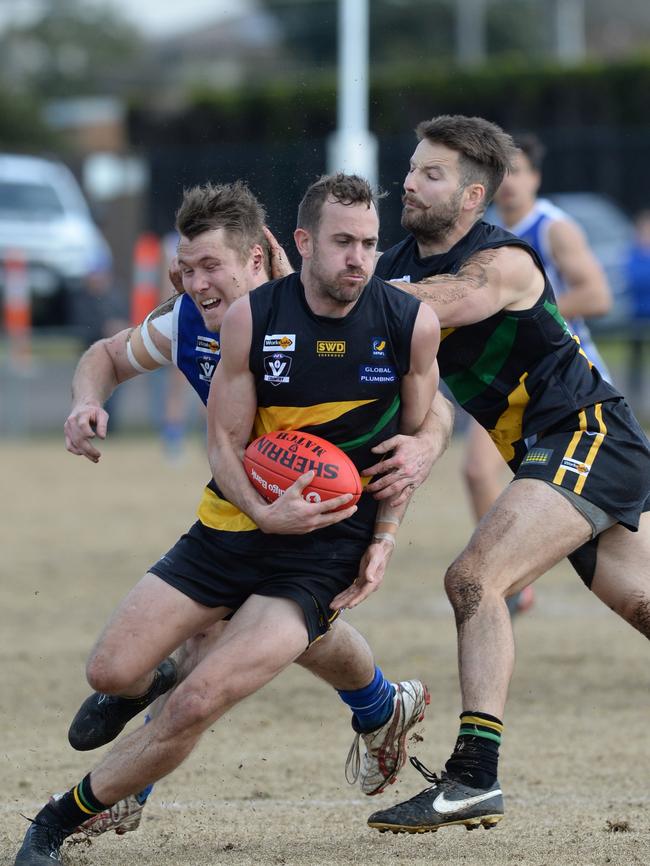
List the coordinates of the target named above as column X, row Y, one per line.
column 275, row 460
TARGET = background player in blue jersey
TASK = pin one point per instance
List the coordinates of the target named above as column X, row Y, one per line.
column 579, row 284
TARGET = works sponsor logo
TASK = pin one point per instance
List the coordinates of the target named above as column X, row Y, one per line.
column 273, row 342
column 576, row 466
column 379, row 345
column 330, row 348
column 208, row 344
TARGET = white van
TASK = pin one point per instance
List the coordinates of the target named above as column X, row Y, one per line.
column 44, row 216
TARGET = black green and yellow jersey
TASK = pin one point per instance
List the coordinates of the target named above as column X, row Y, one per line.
column 338, row 378
column 518, row 372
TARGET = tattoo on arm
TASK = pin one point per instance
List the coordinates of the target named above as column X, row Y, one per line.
column 450, row 288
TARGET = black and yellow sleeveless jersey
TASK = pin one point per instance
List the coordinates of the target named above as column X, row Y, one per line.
column 338, row 378
column 518, row 372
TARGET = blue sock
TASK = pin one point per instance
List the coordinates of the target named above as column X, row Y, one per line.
column 142, row 796
column 372, row 705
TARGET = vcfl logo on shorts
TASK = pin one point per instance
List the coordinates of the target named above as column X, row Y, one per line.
column 277, row 368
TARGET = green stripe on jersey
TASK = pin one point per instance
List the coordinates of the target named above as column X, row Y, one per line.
column 470, row 383
column 381, row 423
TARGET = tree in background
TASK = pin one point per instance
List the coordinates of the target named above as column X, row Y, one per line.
column 69, row 48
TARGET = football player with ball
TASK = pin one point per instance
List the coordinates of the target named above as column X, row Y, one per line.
column 333, row 352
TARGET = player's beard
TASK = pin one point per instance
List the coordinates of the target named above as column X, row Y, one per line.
column 332, row 287
column 433, row 223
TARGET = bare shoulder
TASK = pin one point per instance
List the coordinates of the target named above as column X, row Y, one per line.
column 499, row 263
column 511, row 270
column 427, row 322
column 238, row 315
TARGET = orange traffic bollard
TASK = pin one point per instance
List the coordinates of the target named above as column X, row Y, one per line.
column 147, row 261
column 17, row 312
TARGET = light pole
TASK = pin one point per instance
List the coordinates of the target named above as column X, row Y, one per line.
column 353, row 148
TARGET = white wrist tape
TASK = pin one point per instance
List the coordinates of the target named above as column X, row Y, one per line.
column 385, row 536
column 394, row 520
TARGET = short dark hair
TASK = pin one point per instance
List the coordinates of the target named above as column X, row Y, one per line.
column 485, row 150
column 228, row 206
column 344, row 188
column 532, row 148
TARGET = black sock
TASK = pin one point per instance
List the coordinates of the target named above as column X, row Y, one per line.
column 475, row 758
column 72, row 808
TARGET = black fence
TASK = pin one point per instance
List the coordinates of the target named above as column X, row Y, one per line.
column 611, row 161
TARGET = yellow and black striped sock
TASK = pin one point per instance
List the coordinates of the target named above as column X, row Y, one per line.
column 74, row 807
column 475, row 757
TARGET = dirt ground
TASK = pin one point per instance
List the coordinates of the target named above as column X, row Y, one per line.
column 266, row 786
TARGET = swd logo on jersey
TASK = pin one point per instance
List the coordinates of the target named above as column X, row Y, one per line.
column 330, row 348
column 206, row 366
column 208, row 344
column 277, row 368
column 379, row 346
column 273, row 342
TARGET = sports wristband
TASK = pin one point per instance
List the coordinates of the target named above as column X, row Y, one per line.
column 394, row 520
column 385, row 536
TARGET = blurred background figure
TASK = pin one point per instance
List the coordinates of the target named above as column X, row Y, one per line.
column 175, row 404
column 637, row 272
column 581, row 290
column 99, row 310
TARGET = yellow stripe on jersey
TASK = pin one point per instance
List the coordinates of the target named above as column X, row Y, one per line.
column 598, row 441
column 582, row 351
column 573, row 444
column 270, row 418
column 446, row 332
column 509, row 426
column 218, row 513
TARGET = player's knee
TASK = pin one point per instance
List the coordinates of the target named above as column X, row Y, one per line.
column 637, row 613
column 188, row 711
column 107, row 675
column 464, row 590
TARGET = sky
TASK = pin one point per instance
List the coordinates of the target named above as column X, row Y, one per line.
column 162, row 17
column 153, row 17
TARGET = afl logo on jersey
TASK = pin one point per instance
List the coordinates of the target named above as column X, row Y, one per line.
column 276, row 368
column 206, row 366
